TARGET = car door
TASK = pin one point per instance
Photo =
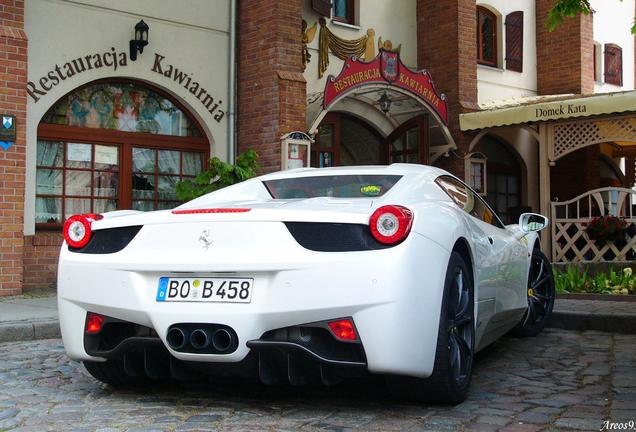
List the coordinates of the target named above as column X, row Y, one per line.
column 500, row 260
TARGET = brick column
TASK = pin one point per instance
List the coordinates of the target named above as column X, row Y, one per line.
column 446, row 47
column 13, row 78
column 271, row 87
column 565, row 57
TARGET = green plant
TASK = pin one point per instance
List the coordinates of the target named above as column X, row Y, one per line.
column 574, row 280
column 219, row 175
column 606, row 228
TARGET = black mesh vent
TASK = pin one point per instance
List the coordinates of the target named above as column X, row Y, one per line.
column 109, row 240
column 333, row 237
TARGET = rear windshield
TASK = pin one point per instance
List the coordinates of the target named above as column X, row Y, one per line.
column 337, row 186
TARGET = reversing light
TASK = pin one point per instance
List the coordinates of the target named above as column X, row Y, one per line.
column 94, row 323
column 391, row 224
column 77, row 229
column 343, row 329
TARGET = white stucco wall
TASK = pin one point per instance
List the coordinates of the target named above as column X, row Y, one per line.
column 194, row 39
column 392, row 20
column 612, row 23
column 499, row 83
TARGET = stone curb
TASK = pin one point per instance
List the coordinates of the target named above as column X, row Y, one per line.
column 17, row 331
column 614, row 323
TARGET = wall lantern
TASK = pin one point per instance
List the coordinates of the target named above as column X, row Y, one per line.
column 140, row 41
column 385, row 103
column 476, row 172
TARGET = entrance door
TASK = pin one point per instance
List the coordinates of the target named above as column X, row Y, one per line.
column 409, row 142
column 326, row 150
column 344, row 140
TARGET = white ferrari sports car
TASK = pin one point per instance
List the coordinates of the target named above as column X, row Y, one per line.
column 305, row 275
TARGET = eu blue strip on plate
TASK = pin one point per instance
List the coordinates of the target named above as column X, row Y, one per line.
column 163, row 288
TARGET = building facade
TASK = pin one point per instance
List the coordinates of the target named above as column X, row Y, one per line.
column 368, row 82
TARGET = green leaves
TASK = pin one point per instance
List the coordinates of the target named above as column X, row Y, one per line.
column 570, row 8
column 576, row 280
column 219, row 175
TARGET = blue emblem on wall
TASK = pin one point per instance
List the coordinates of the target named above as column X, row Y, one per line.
column 7, row 131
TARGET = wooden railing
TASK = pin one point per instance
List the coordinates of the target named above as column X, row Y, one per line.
column 570, row 242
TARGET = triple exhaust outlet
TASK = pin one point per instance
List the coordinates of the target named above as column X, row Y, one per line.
column 202, row 338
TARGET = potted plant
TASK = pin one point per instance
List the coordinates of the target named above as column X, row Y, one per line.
column 606, row 228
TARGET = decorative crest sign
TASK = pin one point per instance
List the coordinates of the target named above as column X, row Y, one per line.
column 386, row 68
column 7, row 131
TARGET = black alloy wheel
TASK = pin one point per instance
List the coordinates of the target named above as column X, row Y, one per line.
column 461, row 328
column 540, row 294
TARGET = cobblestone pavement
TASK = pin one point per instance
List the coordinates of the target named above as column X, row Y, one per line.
column 561, row 380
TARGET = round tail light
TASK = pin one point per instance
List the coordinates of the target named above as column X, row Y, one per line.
column 77, row 229
column 391, row 224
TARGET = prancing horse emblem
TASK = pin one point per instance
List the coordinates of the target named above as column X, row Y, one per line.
column 205, row 239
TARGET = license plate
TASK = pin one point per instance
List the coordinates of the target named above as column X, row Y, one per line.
column 221, row 290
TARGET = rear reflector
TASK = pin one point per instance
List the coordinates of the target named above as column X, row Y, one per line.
column 94, row 323
column 212, row 210
column 343, row 329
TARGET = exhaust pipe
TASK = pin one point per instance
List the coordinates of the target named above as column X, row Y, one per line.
column 200, row 339
column 221, row 340
column 177, row 338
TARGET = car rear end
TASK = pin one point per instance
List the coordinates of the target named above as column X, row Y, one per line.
column 287, row 288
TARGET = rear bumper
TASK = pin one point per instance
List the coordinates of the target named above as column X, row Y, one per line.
column 392, row 295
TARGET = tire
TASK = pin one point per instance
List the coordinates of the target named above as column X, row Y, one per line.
column 540, row 293
column 112, row 372
column 449, row 382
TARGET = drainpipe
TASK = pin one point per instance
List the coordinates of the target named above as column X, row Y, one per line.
column 231, row 135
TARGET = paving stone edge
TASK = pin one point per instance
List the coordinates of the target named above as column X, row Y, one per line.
column 611, row 323
column 17, row 331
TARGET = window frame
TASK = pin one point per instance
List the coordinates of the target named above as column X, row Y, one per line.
column 125, row 142
column 480, row 60
column 496, row 222
column 349, row 18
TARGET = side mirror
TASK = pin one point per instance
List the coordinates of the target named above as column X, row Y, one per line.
column 529, row 222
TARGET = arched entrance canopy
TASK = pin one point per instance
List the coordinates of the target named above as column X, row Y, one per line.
column 361, row 84
column 386, row 68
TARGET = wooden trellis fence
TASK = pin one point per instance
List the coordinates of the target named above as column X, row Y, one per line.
column 570, row 242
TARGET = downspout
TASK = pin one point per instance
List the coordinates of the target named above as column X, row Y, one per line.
column 231, row 134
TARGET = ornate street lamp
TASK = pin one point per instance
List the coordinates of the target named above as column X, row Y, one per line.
column 385, row 103
column 140, row 41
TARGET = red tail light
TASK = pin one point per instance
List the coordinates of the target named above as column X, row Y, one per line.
column 391, row 224
column 77, row 229
column 212, row 210
column 343, row 329
column 94, row 323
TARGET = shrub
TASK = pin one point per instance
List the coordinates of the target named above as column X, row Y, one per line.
column 219, row 175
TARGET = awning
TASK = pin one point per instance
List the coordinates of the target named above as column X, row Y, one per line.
column 543, row 108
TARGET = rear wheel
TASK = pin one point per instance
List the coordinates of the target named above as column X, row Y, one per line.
column 540, row 293
column 455, row 344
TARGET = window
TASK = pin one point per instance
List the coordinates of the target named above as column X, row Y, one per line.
column 156, row 173
column 334, row 186
column 613, row 64
column 466, row 199
column 343, row 11
column 486, row 37
column 110, row 146
column 123, row 107
column 75, row 178
column 514, row 41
